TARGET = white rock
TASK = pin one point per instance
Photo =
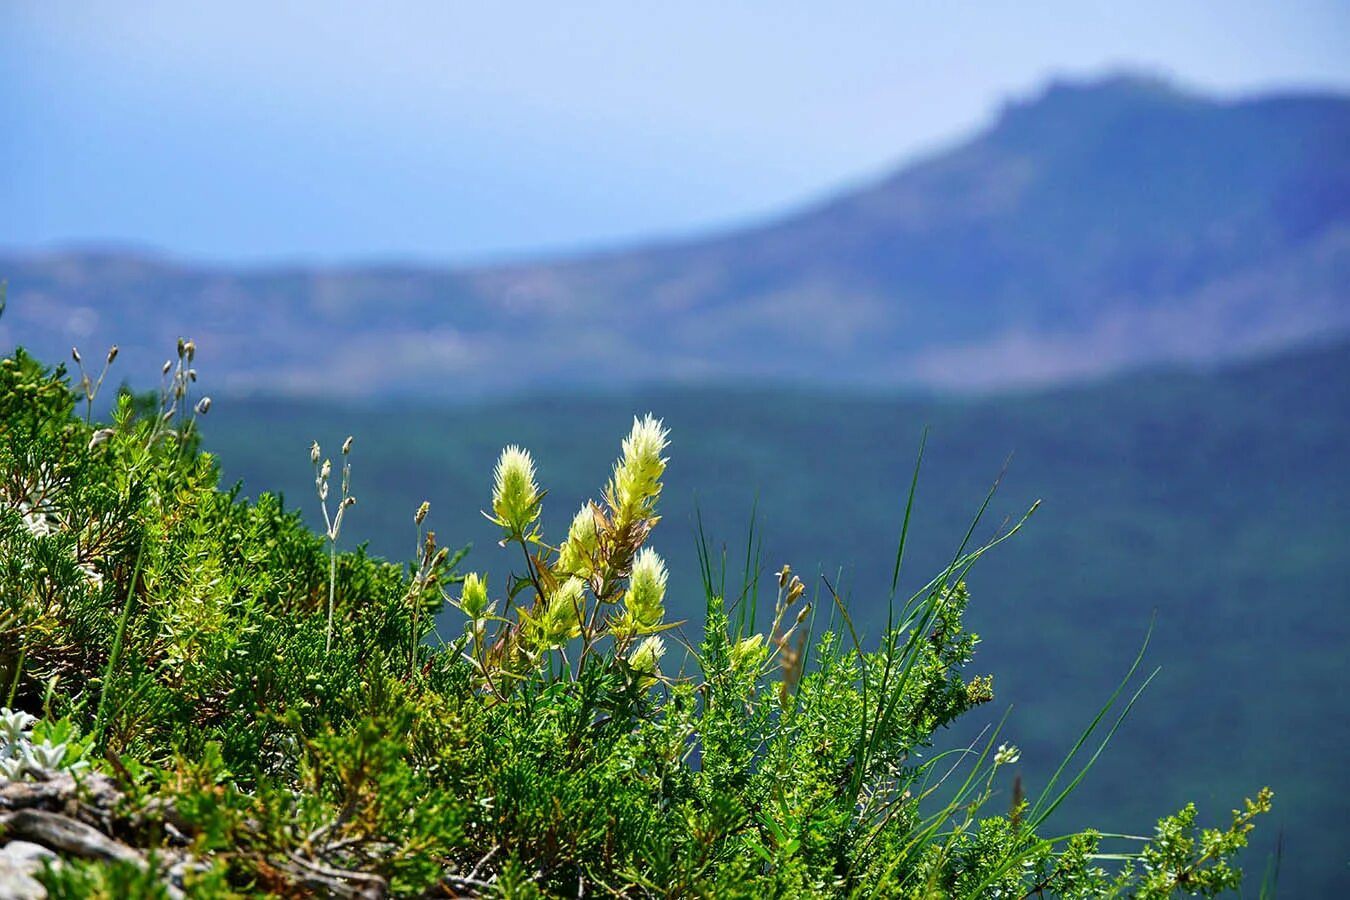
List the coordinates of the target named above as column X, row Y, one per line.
column 27, row 850
column 17, row 881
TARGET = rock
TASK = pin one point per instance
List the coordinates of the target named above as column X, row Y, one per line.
column 19, row 851
column 19, row 862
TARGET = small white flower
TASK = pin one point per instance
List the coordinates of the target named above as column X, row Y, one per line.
column 1007, row 755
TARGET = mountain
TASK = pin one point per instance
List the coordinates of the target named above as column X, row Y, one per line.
column 1095, row 227
column 1215, row 505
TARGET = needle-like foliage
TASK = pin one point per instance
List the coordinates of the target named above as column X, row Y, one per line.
column 251, row 711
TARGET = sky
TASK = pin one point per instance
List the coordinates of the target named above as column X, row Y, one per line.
column 279, row 132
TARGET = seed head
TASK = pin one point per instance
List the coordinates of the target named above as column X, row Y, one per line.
column 347, row 445
column 203, row 406
column 112, row 354
column 314, row 453
column 75, row 355
column 421, row 513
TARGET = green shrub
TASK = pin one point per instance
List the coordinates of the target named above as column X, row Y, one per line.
column 280, row 717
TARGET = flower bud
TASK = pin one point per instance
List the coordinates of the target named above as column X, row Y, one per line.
column 636, row 481
column 203, row 406
column 748, row 654
column 515, row 496
column 75, row 355
column 575, row 557
column 562, row 618
column 647, row 590
column 347, row 445
column 112, row 354
column 421, row 513
column 474, row 598
column 646, row 656
column 314, row 453
column 168, row 364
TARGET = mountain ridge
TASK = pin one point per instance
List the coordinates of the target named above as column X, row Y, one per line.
column 1092, row 228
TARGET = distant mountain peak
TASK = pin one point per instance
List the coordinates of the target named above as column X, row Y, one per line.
column 1099, row 225
column 1088, row 101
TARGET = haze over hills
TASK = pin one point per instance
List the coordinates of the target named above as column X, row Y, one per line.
column 1093, row 228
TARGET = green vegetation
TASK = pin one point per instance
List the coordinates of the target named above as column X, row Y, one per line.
column 1218, row 502
column 224, row 702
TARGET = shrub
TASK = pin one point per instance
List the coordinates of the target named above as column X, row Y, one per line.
column 241, row 708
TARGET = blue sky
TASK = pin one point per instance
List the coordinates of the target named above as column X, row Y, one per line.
column 436, row 131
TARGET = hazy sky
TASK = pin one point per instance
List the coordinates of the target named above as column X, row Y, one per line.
column 265, row 131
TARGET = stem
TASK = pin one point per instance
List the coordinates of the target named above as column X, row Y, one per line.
column 100, row 719
column 332, row 593
column 18, row 674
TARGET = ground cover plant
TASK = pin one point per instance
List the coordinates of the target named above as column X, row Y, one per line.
column 205, row 698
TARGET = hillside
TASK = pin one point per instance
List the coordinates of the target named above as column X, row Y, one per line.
column 1090, row 229
column 1219, row 500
